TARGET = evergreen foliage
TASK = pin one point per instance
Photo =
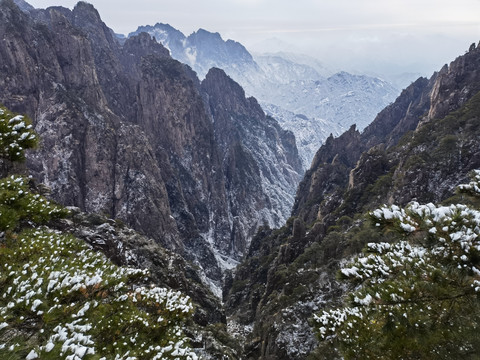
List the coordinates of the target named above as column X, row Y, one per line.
column 61, row 300
column 16, row 135
column 416, row 297
column 18, row 204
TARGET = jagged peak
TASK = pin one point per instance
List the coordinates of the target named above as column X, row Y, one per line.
column 203, row 32
column 84, row 7
column 351, row 130
column 235, row 43
column 24, row 6
column 145, row 44
column 216, row 75
column 473, row 50
column 223, row 86
column 162, row 26
column 169, row 28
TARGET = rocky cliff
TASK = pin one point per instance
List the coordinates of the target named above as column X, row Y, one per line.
column 131, row 133
column 418, row 148
column 250, row 167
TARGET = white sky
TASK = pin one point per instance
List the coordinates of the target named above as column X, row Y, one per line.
column 363, row 35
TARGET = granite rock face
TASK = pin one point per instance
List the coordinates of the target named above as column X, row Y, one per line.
column 250, row 167
column 129, row 132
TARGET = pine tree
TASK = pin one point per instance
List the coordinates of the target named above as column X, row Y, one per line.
column 417, row 297
column 61, row 300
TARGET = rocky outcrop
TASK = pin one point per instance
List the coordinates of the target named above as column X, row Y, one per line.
column 131, row 133
column 455, row 84
column 401, row 116
column 329, row 172
column 249, row 166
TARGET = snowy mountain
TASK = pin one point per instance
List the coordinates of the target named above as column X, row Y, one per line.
column 299, row 91
column 202, row 50
column 342, row 98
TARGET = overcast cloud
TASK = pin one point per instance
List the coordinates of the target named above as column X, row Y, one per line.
column 364, row 35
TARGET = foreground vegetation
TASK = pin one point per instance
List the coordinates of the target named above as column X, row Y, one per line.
column 418, row 296
column 59, row 299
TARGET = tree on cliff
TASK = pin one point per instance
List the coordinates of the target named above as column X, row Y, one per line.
column 61, row 300
column 417, row 297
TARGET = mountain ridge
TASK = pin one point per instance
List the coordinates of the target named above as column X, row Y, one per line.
column 284, row 88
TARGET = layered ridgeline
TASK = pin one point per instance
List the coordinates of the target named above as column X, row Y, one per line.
column 131, row 133
column 418, row 148
column 298, row 91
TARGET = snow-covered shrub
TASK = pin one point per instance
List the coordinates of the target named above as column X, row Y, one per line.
column 76, row 304
column 18, row 203
column 16, row 135
column 418, row 297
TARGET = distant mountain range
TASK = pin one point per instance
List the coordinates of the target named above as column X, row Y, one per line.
column 289, row 87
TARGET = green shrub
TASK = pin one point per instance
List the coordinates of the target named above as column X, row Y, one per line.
column 16, row 135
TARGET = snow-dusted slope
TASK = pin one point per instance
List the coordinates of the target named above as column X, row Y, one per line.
column 309, row 132
column 299, row 91
column 343, row 98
